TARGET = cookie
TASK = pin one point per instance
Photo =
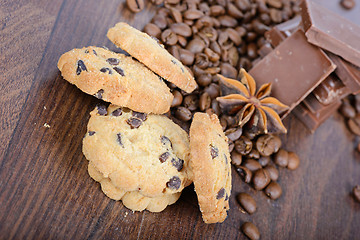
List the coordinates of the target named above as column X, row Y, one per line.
column 116, row 78
column 151, row 53
column 210, row 164
column 132, row 200
column 138, row 152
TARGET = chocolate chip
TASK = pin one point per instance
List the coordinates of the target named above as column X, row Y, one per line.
column 94, row 52
column 134, row 122
column 163, row 157
column 165, row 140
column 221, row 193
column 174, row 183
column 80, row 67
column 177, row 163
column 117, row 112
column 139, row 115
column 113, row 61
column 214, row 151
column 119, row 71
column 99, row 94
column 105, row 69
column 101, row 109
column 91, row 133
column 226, row 159
column 119, row 139
column 87, row 51
column 173, row 61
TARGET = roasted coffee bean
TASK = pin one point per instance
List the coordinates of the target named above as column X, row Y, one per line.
column 234, row 36
column 251, row 36
column 293, row 161
column 357, row 103
column 228, row 70
column 216, row 48
column 176, row 15
column 281, row 158
column 274, row 3
column 231, row 121
column 251, row 164
column 273, row 190
column 187, row 57
column 117, row 112
column 243, row 145
column 135, row 5
column 217, row 10
column 204, row 102
column 191, row 102
column 99, row 94
column 215, row 106
column 243, row 5
column 80, row 67
column 277, row 143
column 204, row 7
column 245, row 173
column 275, row 15
column 119, row 71
column 169, row 37
column 231, row 145
column 245, row 63
column 227, row 21
column 174, row 183
column 213, row 56
column 204, row 79
column 160, row 21
column 347, row 4
column 182, row 41
column 181, row 29
column 260, row 179
column 157, row 2
column 264, row 160
column 353, row 126
column 252, row 50
column 233, row 133
column 213, row 90
column 346, row 109
column 265, row 18
column 201, row 60
column 250, row 230
column 178, row 98
column 259, row 27
column 196, row 45
column 356, row 192
column 266, row 145
column 254, row 154
column 233, row 11
column 152, row 30
column 101, row 109
column 134, row 122
column 183, row 114
column 273, row 172
column 236, row 158
column 193, row 14
column 174, row 50
column 246, row 202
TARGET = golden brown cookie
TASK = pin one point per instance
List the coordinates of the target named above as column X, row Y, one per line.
column 116, row 78
column 148, row 51
column 138, row 152
column 210, row 165
column 132, row 200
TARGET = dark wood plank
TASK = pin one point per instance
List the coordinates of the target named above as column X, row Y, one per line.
column 45, row 191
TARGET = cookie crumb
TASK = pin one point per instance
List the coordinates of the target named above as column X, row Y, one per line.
column 46, row 125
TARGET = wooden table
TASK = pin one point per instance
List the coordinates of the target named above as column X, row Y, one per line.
column 45, row 191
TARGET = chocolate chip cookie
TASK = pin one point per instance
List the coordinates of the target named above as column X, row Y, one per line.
column 151, row 53
column 132, row 200
column 210, row 165
column 138, row 152
column 116, row 78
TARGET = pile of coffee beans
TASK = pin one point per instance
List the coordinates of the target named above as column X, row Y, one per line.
column 350, row 109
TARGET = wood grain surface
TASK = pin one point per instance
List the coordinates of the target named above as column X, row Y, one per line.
column 45, row 191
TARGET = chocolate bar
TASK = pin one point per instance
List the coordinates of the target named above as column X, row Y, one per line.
column 280, row 32
column 330, row 31
column 295, row 68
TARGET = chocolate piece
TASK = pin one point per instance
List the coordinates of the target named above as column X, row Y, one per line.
column 281, row 31
column 335, row 6
column 265, row 50
column 174, row 183
column 163, row 157
column 313, row 121
column 330, row 31
column 347, row 72
column 294, row 68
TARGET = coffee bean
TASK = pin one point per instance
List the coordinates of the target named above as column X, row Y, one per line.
column 266, row 145
column 233, row 133
column 181, row 29
column 254, row 154
column 347, row 4
column 193, row 14
column 233, row 11
column 176, row 15
column 135, row 5
column 275, row 15
column 160, row 21
column 273, row 172
column 236, row 158
column 215, row 106
column 356, row 193
column 227, row 21
column 204, row 102
column 245, row 173
column 243, row 145
column 217, row 10
column 273, row 190
column 243, row 5
column 260, row 179
column 274, row 3
column 169, row 37
column 252, row 50
column 281, row 158
column 174, row 183
column 204, row 7
column 265, row 18
column 251, row 164
column 346, row 109
column 250, row 230
column 353, row 126
column 178, row 98
column 183, row 114
column 187, row 57
column 201, row 60
column 228, row 70
column 196, row 45
column 264, row 160
column 152, row 30
column 231, row 145
column 277, row 142
column 259, row 27
column 293, row 161
column 213, row 90
column 157, row 2
column 246, row 202
column 191, row 102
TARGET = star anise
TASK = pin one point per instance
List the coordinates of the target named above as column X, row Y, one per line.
column 255, row 111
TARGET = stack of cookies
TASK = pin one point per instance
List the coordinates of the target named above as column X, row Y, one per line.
column 138, row 155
